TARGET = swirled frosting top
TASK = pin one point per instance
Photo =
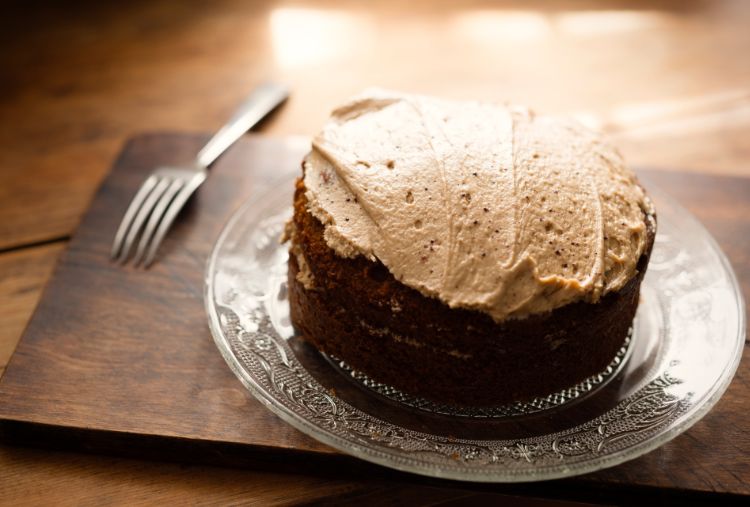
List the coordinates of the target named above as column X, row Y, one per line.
column 484, row 206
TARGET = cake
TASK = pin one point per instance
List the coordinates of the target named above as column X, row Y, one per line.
column 469, row 253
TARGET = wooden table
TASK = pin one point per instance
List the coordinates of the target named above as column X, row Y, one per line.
column 669, row 80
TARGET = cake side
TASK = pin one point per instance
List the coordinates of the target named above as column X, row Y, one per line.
column 355, row 309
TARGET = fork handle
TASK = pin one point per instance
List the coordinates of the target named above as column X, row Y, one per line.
column 264, row 99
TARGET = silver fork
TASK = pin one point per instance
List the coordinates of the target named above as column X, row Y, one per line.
column 166, row 190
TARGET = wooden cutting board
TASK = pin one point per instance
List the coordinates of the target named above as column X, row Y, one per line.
column 120, row 359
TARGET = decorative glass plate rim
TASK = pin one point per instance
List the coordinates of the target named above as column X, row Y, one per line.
column 376, row 455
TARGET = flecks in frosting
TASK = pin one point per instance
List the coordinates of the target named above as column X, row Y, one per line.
column 483, row 206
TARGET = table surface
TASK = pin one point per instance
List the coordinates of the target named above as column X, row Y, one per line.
column 668, row 80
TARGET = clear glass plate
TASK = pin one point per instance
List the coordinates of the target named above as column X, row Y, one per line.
column 685, row 347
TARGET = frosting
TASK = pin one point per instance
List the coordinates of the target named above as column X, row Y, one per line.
column 484, row 206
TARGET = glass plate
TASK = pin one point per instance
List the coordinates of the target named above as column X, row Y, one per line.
column 685, row 347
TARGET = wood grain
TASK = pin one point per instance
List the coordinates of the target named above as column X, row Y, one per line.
column 35, row 477
column 167, row 357
column 88, row 75
column 669, row 78
column 122, row 366
column 22, row 276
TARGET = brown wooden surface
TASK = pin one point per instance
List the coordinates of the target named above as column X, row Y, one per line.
column 126, row 350
column 67, row 478
column 668, row 77
column 120, row 350
column 23, row 276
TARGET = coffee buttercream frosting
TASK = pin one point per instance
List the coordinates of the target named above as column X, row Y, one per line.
column 484, row 206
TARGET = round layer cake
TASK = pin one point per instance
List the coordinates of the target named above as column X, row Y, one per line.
column 470, row 253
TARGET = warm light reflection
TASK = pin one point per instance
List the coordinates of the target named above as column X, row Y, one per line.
column 590, row 119
column 502, row 26
column 710, row 121
column 641, row 113
column 303, row 37
column 485, row 26
column 674, row 117
column 595, row 23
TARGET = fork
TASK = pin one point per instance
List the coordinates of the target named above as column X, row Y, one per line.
column 166, row 190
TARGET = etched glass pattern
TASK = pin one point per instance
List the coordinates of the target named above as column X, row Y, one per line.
column 684, row 349
column 539, row 404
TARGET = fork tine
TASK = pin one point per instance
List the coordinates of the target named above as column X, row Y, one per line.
column 146, row 188
column 155, row 217
column 140, row 217
column 174, row 208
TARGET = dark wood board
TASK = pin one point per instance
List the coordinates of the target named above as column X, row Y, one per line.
column 121, row 359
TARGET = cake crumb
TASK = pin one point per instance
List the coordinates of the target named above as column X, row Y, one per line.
column 395, row 305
